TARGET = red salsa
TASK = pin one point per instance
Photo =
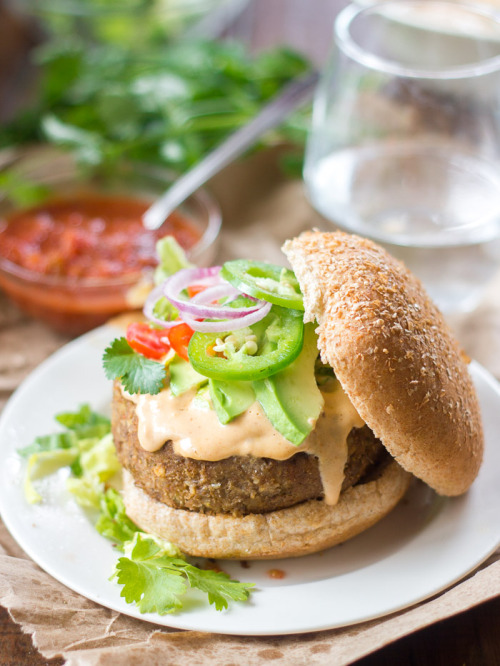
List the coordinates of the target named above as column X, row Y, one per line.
column 88, row 236
column 75, row 262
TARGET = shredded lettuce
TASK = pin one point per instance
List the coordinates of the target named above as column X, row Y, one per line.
column 171, row 258
column 153, row 573
column 113, row 523
column 85, row 423
column 84, row 432
column 97, row 463
column 53, row 442
column 163, row 309
column 99, row 459
column 43, row 464
column 86, row 491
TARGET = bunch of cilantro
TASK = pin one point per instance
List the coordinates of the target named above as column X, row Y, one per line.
column 154, row 574
column 165, row 103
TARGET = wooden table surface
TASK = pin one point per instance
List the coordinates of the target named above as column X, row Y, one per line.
column 471, row 638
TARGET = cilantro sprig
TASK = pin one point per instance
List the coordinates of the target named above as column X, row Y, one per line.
column 155, row 577
column 148, row 100
column 137, row 373
column 153, row 573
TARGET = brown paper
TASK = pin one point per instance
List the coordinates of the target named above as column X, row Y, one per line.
column 260, row 212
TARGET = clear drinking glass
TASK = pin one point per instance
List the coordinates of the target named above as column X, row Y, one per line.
column 405, row 142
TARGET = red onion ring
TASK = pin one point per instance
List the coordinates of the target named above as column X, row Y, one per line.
column 233, row 325
column 193, row 309
column 187, row 276
column 201, row 305
column 215, row 293
column 149, row 305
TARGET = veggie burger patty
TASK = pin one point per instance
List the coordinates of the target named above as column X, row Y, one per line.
column 238, row 485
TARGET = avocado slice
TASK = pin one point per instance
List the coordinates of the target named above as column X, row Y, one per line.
column 230, row 399
column 291, row 398
column 183, row 377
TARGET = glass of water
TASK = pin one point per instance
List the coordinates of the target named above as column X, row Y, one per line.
column 405, row 140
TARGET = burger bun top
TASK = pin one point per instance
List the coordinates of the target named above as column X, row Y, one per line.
column 394, row 355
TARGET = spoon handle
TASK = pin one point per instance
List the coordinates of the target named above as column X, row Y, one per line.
column 294, row 94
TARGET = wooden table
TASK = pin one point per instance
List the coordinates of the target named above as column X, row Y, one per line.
column 472, row 638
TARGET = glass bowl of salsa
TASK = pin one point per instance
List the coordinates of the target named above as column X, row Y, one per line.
column 73, row 250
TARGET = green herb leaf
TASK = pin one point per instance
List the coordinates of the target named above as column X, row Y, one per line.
column 152, row 589
column 218, row 585
column 21, row 190
column 137, row 373
column 150, row 575
column 87, row 145
column 148, row 99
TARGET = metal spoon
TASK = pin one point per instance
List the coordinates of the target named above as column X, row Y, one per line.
column 294, row 94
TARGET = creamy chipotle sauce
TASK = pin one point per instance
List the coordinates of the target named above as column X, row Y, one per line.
column 196, row 433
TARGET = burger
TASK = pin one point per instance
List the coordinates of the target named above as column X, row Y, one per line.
column 298, row 420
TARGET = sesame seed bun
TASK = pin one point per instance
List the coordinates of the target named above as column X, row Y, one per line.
column 394, row 355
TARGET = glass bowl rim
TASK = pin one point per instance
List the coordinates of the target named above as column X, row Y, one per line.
column 202, row 198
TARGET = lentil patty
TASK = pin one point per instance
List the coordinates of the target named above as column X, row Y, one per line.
column 238, row 485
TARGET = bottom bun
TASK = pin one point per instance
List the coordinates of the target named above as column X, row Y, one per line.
column 298, row 530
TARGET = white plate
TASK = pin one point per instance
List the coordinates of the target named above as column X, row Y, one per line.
column 425, row 545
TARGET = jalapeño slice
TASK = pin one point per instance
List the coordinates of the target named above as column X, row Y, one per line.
column 274, row 284
column 255, row 352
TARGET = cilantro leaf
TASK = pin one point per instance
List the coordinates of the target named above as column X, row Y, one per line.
column 137, row 373
column 218, row 585
column 152, row 588
column 148, row 574
column 104, row 105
